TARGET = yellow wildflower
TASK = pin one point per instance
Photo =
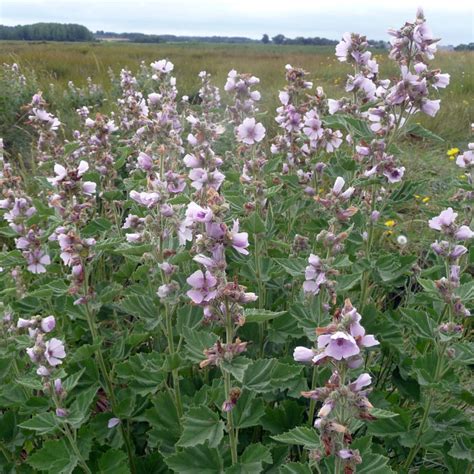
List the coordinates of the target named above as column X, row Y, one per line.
column 390, row 223
column 453, row 152
column 425, row 199
column 417, row 196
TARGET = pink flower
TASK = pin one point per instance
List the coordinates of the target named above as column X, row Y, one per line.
column 362, row 381
column 24, row 323
column 445, row 219
column 37, row 260
column 144, row 161
column 339, row 345
column 43, row 371
column 196, row 213
column 113, row 422
column 334, row 106
column 60, row 172
column 145, row 199
column 162, row 66
column 250, row 132
column 312, row 126
column 82, row 168
column 430, row 107
column 343, row 47
column 191, row 161
column 303, row 354
column 240, row 240
column 338, row 186
column 89, row 187
column 48, row 324
column 466, row 160
column 54, row 352
column 203, row 286
column 464, row 233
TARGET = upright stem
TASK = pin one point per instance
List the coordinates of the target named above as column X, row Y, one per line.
column 370, row 238
column 175, row 375
column 261, row 292
column 312, row 403
column 72, row 442
column 426, row 410
column 233, row 441
column 109, row 386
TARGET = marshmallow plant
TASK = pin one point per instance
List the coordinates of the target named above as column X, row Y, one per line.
column 193, row 283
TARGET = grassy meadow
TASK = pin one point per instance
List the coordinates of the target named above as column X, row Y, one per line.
column 57, row 63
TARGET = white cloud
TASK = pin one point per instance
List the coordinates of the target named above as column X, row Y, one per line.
column 453, row 21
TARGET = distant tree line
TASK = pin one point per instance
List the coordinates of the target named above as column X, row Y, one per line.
column 145, row 38
column 282, row 39
column 465, row 47
column 46, row 32
column 74, row 32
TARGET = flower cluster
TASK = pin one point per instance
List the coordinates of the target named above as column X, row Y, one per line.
column 340, row 344
column 46, row 125
column 244, row 99
column 18, row 209
column 47, row 355
column 302, row 132
column 452, row 251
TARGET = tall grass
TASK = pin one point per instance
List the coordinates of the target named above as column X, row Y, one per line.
column 57, row 63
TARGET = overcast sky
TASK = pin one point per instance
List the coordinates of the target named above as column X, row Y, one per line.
column 452, row 20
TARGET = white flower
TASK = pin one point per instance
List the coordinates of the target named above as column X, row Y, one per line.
column 402, row 240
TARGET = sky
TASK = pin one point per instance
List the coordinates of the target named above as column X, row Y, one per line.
column 453, row 20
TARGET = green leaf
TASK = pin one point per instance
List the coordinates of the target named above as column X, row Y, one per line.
column 391, row 268
column 198, row 459
column 418, row 131
column 257, row 376
column 462, row 448
column 200, row 424
column 371, row 463
column 347, row 282
column 293, row 266
column 252, row 459
column 390, row 427
column 424, row 327
column 42, row 423
column 307, row 318
column 113, row 461
column 196, row 342
column 144, row 307
column 236, row 366
column 96, row 226
column 304, row 435
column 70, row 382
column 295, row 468
column 164, row 421
column 382, row 414
column 11, row 259
column 79, row 410
column 464, row 353
column 283, row 417
column 248, row 411
column 143, row 372
column 54, row 457
column 254, row 224
column 254, row 315
column 425, row 368
column 8, row 426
